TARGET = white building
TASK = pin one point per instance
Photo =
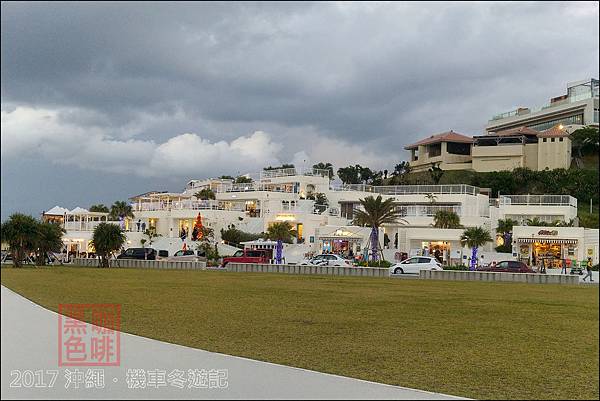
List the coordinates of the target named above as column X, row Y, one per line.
column 288, row 195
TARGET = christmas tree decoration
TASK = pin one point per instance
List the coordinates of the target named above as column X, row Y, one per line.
column 197, row 232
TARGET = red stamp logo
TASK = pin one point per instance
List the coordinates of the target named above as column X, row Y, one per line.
column 89, row 344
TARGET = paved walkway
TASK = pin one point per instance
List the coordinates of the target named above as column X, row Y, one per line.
column 29, row 342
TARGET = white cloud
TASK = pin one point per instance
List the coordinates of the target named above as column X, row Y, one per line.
column 42, row 133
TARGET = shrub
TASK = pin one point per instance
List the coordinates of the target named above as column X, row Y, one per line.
column 375, row 263
column 456, row 267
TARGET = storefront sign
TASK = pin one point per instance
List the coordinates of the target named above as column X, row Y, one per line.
column 548, row 232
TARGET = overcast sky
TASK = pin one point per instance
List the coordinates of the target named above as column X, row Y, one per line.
column 102, row 101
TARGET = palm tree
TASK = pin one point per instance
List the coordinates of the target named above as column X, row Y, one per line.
column 19, row 232
column 505, row 228
column 205, row 194
column 325, row 166
column 49, row 239
column 474, row 237
column 121, row 209
column 99, row 208
column 446, row 219
column 280, row 232
column 436, row 173
column 536, row 222
column 375, row 213
column 506, row 225
column 107, row 238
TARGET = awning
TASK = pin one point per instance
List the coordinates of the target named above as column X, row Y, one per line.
column 547, row 240
column 340, row 237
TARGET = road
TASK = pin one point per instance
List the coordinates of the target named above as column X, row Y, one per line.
column 30, row 342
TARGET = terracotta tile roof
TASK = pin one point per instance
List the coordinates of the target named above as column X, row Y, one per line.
column 449, row 136
column 516, row 131
column 554, row 132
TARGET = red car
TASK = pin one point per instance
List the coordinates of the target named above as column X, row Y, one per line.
column 250, row 256
column 508, row 266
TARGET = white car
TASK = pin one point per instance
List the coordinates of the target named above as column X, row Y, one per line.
column 415, row 264
column 185, row 255
column 326, row 260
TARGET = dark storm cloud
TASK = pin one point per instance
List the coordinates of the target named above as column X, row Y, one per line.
column 349, row 69
column 375, row 75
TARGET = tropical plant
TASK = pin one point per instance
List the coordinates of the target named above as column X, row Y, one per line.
column 446, row 219
column 48, row 239
column 350, row 174
column 19, row 232
column 99, row 208
column 325, row 166
column 280, row 231
column 107, row 238
column 536, row 222
column 242, row 179
column 436, row 173
column 321, row 199
column 474, row 237
column 506, row 225
column 234, row 236
column 401, row 171
column 505, row 228
column 375, row 213
column 120, row 209
column 205, row 194
column 226, row 177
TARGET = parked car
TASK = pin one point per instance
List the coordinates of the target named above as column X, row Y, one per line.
column 138, row 253
column 249, row 256
column 187, row 255
column 507, row 266
column 326, row 260
column 415, row 264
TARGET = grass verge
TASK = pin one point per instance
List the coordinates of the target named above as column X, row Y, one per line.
column 479, row 340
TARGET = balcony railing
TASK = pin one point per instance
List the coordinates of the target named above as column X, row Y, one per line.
column 288, row 172
column 84, row 225
column 410, row 189
column 540, row 200
column 187, row 205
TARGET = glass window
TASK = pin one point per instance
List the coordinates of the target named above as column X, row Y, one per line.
column 424, row 260
column 560, row 139
column 545, row 139
column 502, row 265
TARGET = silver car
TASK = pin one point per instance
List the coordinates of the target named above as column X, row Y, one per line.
column 327, row 260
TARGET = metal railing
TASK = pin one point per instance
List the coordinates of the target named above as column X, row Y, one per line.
column 187, row 205
column 541, row 200
column 426, row 210
column 287, row 172
column 84, row 225
column 411, row 189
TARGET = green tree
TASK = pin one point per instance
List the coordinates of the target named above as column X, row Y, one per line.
column 20, row 232
column 285, row 165
column 584, row 141
column 281, row 230
column 107, row 238
column 446, row 219
column 436, row 173
column 400, row 173
column 325, row 166
column 350, row 174
column 375, row 213
column 242, row 179
column 120, row 209
column 432, row 198
column 205, row 194
column 234, row 236
column 48, row 239
column 474, row 237
column 99, row 208
column 226, row 177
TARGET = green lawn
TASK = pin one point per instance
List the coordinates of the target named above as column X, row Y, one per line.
column 480, row 340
